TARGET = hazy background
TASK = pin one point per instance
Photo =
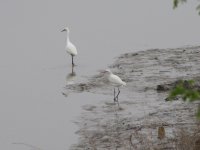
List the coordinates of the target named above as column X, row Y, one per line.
column 34, row 63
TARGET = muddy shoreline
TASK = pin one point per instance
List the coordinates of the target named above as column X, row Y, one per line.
column 143, row 108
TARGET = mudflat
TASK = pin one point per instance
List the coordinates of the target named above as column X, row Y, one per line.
column 145, row 119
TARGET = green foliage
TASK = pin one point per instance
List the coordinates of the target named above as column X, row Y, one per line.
column 177, row 2
column 186, row 90
column 198, row 8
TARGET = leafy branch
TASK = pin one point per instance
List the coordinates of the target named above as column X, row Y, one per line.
column 187, row 91
column 177, row 2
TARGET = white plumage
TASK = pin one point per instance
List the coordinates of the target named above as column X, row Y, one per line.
column 115, row 81
column 70, row 48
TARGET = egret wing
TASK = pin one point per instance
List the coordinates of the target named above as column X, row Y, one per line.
column 71, row 49
column 115, row 79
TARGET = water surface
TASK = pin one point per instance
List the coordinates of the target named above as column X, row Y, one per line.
column 34, row 64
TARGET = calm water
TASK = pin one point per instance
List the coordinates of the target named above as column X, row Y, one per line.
column 34, row 64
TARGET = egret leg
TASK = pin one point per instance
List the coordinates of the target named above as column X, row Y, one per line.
column 72, row 69
column 72, row 60
column 117, row 97
column 117, row 94
column 114, row 96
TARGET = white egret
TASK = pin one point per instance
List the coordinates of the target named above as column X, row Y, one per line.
column 71, row 49
column 115, row 81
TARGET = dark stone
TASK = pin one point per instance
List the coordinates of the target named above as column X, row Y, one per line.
column 162, row 88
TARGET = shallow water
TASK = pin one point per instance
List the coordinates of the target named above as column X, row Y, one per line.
column 34, row 65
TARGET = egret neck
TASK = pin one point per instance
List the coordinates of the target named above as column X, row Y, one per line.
column 67, row 40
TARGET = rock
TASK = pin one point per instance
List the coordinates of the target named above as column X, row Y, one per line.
column 162, row 88
column 105, row 138
column 134, row 54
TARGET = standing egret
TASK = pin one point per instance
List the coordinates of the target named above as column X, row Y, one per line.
column 71, row 49
column 115, row 81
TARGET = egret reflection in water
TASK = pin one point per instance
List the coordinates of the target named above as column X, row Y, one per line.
column 70, row 78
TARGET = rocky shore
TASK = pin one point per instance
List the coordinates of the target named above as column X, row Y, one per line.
column 144, row 120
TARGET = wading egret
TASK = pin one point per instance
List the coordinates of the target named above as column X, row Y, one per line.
column 115, row 81
column 71, row 49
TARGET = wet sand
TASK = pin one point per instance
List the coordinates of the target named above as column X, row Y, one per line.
column 143, row 108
